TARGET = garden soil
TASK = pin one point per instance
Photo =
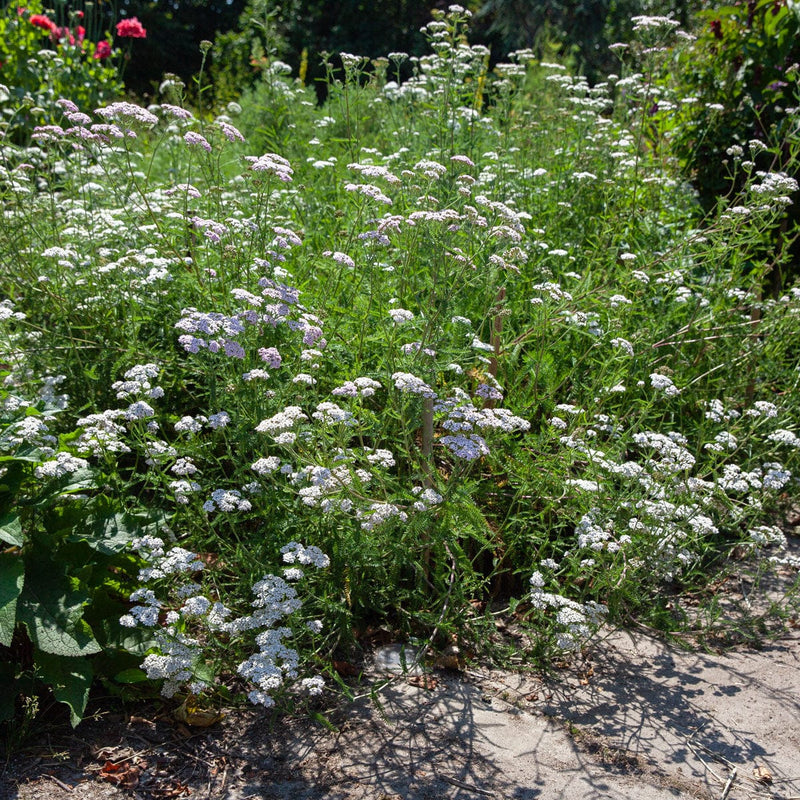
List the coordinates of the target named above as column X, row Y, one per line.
column 633, row 717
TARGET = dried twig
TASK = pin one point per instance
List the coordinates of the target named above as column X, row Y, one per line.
column 467, row 786
column 65, row 786
column 727, row 790
column 703, row 761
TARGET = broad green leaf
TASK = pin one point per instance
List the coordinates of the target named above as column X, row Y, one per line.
column 78, row 481
column 11, row 530
column 12, row 578
column 52, row 612
column 203, row 672
column 113, row 533
column 133, row 675
column 19, row 457
column 130, row 640
column 69, row 678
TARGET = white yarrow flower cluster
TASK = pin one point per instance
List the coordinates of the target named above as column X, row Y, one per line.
column 227, row 500
column 331, row 414
column 360, row 387
column 137, row 382
column 411, row 384
column 664, row 384
column 280, row 425
column 178, row 654
column 62, row 464
column 575, row 622
column 296, row 553
column 400, row 315
column 266, row 466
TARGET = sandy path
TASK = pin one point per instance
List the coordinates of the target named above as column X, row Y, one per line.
column 637, row 719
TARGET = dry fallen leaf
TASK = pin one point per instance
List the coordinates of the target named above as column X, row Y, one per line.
column 424, row 682
column 345, row 668
column 113, row 753
column 190, row 713
column 763, row 775
column 449, row 658
column 182, row 730
column 125, row 775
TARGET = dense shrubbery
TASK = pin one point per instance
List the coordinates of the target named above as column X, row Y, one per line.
column 731, row 103
column 736, row 82
column 454, row 340
column 43, row 59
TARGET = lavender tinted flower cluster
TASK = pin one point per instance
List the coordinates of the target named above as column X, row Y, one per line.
column 212, row 230
column 278, row 304
column 272, row 164
column 360, row 387
column 211, row 324
column 194, row 139
column 462, row 420
column 407, row 383
column 129, row 114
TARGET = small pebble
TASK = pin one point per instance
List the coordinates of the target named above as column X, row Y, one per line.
column 397, row 659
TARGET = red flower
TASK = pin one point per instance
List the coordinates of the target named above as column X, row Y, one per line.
column 103, row 50
column 62, row 35
column 131, row 28
column 80, row 32
column 41, row 21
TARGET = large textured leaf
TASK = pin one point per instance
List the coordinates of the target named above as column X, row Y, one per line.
column 132, row 675
column 12, row 578
column 112, row 533
column 78, row 481
column 20, row 457
column 11, row 530
column 52, row 612
column 69, row 678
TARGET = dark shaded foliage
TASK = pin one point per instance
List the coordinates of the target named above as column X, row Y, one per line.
column 174, row 32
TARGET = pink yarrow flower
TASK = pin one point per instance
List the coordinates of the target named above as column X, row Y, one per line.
column 194, row 139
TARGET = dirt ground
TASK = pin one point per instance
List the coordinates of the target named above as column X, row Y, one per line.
column 633, row 717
